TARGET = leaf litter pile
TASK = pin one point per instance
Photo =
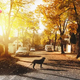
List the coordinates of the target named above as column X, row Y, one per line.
column 9, row 66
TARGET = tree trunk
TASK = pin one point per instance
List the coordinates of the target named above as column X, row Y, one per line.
column 62, row 47
column 54, row 47
column 6, row 46
column 6, row 49
column 78, row 41
column 78, row 31
column 62, row 50
column 55, row 41
column 78, row 45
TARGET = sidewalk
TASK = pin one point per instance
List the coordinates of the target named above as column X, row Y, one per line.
column 56, row 66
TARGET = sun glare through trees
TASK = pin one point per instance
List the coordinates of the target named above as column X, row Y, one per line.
column 32, row 29
column 25, row 19
column 1, row 31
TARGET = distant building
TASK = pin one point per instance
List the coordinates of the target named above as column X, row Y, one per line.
column 12, row 47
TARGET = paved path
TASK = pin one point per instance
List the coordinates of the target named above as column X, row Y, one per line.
column 56, row 67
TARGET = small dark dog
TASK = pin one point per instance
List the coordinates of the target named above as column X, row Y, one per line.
column 38, row 62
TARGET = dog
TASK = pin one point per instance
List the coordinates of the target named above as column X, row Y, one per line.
column 40, row 61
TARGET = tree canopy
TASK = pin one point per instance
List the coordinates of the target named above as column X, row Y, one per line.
column 15, row 15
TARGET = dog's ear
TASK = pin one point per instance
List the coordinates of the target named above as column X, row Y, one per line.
column 43, row 57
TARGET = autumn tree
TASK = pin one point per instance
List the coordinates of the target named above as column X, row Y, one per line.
column 49, row 36
column 37, row 39
column 9, row 11
column 44, row 39
column 72, row 28
column 51, row 31
column 54, row 18
column 73, row 8
column 27, row 24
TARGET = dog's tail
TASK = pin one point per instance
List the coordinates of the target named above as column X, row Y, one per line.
column 30, row 64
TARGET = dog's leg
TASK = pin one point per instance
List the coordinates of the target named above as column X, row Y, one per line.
column 33, row 65
column 40, row 65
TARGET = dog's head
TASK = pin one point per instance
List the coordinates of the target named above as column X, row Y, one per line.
column 43, row 58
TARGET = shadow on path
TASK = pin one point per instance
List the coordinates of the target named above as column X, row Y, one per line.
column 10, row 67
column 70, row 64
column 49, row 69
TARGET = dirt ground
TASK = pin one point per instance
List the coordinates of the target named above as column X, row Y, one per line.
column 20, row 65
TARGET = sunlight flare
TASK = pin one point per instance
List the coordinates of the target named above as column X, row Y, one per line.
column 37, row 2
column 1, row 33
column 42, row 27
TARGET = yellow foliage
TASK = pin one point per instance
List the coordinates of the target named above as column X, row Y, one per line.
column 72, row 28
